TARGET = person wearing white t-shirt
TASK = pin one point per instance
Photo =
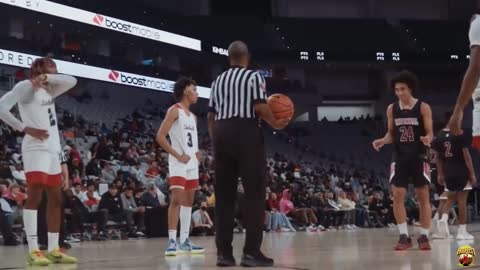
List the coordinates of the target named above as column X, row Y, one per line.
column 470, row 87
column 41, row 152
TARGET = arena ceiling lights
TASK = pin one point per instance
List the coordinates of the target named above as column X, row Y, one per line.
column 24, row 60
column 103, row 21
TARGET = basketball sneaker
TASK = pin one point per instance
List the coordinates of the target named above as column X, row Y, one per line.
column 57, row 256
column 36, row 258
column 464, row 235
column 188, row 247
column 423, row 243
column 404, row 242
column 172, row 248
column 442, row 228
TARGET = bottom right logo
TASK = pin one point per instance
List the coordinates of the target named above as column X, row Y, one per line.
column 465, row 255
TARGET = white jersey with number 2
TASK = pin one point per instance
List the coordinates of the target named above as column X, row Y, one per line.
column 184, row 137
column 37, row 110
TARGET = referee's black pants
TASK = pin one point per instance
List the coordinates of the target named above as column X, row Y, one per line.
column 239, row 152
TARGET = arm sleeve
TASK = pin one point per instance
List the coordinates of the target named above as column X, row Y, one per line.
column 60, row 83
column 474, row 33
column 258, row 87
column 18, row 94
column 211, row 102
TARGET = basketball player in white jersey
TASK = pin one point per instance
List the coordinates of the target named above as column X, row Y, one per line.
column 470, row 87
column 181, row 126
column 40, row 151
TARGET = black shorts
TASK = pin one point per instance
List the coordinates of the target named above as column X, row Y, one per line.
column 410, row 171
column 455, row 183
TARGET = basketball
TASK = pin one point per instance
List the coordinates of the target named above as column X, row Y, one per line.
column 281, row 106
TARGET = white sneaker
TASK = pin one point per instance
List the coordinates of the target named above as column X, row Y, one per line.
column 320, row 227
column 355, row 227
column 292, row 229
column 349, row 227
column 435, row 225
column 312, row 228
column 391, row 225
column 464, row 236
column 283, row 229
column 442, row 228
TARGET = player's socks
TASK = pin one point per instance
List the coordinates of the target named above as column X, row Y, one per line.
column 172, row 235
column 402, row 228
column 185, row 221
column 435, row 217
column 52, row 241
column 424, row 231
column 30, row 224
column 445, row 217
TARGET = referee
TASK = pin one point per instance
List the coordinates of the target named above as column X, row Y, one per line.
column 237, row 101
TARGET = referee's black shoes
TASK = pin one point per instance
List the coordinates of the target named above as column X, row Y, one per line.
column 259, row 260
column 226, row 261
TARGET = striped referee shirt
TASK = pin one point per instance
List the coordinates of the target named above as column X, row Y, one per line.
column 235, row 92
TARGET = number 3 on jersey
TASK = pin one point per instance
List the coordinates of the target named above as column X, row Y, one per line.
column 190, row 142
column 50, row 116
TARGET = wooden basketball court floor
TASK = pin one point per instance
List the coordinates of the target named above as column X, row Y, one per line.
column 363, row 249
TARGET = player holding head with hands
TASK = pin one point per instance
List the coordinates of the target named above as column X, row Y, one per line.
column 410, row 130
column 41, row 152
column 183, row 161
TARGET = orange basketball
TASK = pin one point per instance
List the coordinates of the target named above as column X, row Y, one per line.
column 282, row 106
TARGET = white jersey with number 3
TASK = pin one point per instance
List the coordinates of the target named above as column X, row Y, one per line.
column 184, row 137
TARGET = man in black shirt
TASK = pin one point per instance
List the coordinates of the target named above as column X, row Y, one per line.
column 112, row 202
column 410, row 130
column 455, row 172
column 237, row 102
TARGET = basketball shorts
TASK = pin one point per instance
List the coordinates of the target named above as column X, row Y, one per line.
column 410, row 171
column 42, row 168
column 183, row 176
column 455, row 183
column 476, row 120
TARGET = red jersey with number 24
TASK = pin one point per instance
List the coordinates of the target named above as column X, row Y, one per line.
column 408, row 129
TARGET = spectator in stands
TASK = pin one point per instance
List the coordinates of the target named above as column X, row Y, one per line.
column 18, row 174
column 93, row 169
column 91, row 188
column 153, row 170
column 78, row 191
column 377, row 209
column 202, row 224
column 349, row 207
column 112, row 202
column 129, row 205
column 361, row 211
column 87, row 212
column 119, row 184
column 150, row 197
column 7, row 210
column 277, row 221
column 108, row 174
column 304, row 215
